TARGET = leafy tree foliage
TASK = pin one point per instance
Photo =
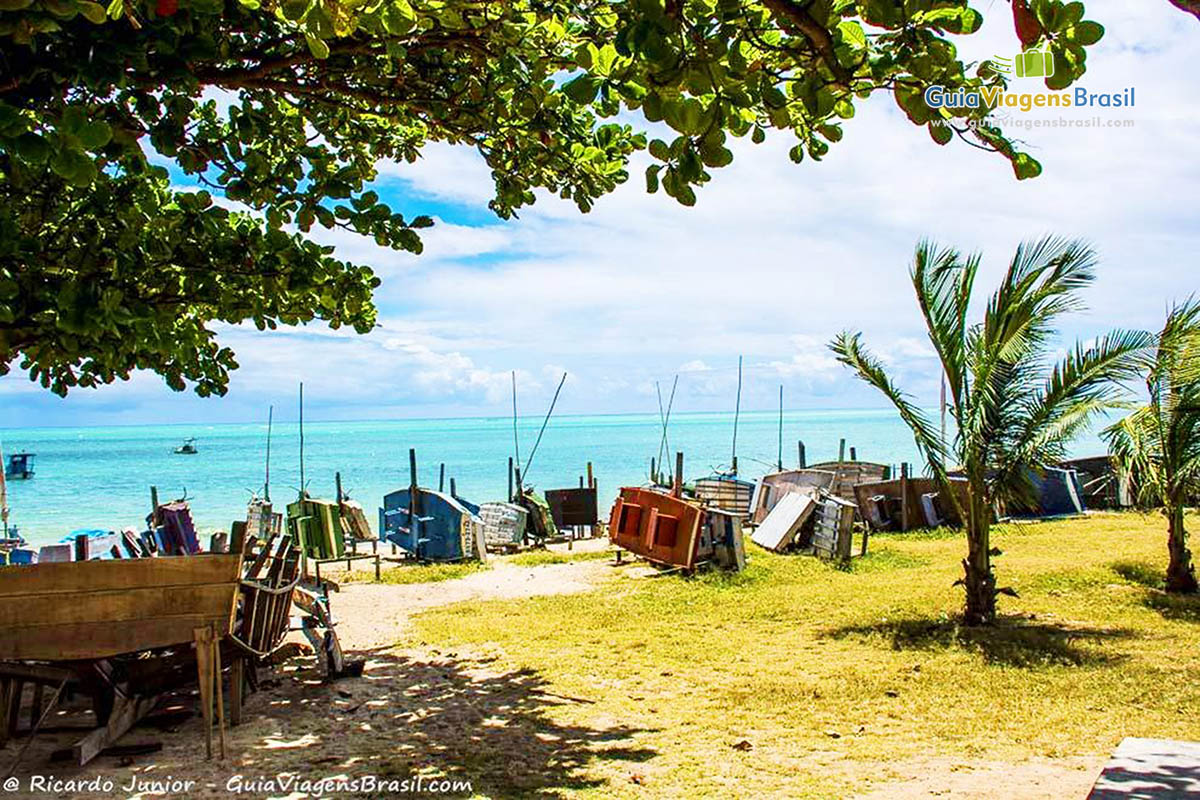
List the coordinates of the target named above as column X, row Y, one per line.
column 1013, row 414
column 163, row 162
column 1158, row 445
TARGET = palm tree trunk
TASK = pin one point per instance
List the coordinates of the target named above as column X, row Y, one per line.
column 979, row 581
column 1181, row 575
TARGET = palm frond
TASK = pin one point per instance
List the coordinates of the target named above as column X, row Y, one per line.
column 943, row 283
column 849, row 349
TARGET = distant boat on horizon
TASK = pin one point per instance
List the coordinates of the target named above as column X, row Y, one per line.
column 188, row 448
column 19, row 466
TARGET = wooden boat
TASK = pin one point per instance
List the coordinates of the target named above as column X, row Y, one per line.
column 431, row 525
column 675, row 532
column 782, row 527
column 19, row 466
column 1058, row 491
column 726, row 492
column 1102, row 484
column 774, row 487
column 316, row 528
column 540, row 524
column 503, row 525
column 885, row 506
column 188, row 448
column 848, row 474
column 97, row 609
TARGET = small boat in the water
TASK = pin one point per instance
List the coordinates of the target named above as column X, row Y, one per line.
column 19, row 466
column 188, row 448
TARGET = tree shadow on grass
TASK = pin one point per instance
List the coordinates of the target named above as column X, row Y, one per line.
column 1184, row 607
column 463, row 720
column 1010, row 641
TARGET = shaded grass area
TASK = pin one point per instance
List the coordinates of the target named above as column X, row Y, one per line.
column 827, row 672
column 537, row 558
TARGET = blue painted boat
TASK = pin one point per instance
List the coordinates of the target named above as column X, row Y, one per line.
column 437, row 527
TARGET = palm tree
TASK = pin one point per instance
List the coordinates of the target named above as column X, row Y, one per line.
column 1013, row 413
column 1158, row 445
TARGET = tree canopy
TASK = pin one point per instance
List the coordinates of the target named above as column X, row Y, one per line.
column 163, row 163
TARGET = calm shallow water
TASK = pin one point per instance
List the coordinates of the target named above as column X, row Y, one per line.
column 99, row 477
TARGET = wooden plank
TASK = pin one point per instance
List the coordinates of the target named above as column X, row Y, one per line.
column 124, row 716
column 83, row 577
column 781, row 526
column 115, row 606
column 90, row 640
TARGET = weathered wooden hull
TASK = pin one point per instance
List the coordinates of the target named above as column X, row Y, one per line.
column 848, row 474
column 884, row 507
column 98, row 609
column 316, row 528
column 774, row 487
column 726, row 493
column 437, row 528
column 656, row 526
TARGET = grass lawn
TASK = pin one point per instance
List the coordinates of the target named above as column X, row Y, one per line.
column 414, row 573
column 798, row 679
column 537, row 558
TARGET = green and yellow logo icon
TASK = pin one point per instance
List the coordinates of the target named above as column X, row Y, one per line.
column 1029, row 64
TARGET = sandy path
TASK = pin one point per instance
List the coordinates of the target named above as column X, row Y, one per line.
column 373, row 615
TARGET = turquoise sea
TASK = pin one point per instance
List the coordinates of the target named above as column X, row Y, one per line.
column 100, row 477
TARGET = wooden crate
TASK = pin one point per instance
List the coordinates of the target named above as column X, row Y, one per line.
column 834, row 530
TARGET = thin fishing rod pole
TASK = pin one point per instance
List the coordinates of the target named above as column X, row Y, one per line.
column 267, row 481
column 516, row 441
column 780, row 458
column 662, row 420
column 666, row 439
column 532, row 453
column 301, row 440
column 737, row 410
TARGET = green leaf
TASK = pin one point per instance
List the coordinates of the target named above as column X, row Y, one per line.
column 1086, row 33
column 652, row 178
column 582, row 89
column 95, row 134
column 942, row 134
column 852, row 33
column 317, row 46
column 93, row 12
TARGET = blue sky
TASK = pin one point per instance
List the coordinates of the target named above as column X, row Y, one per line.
column 774, row 260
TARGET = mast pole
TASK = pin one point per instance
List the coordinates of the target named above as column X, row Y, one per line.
column 779, row 458
column 267, row 481
column 301, row 440
column 737, row 410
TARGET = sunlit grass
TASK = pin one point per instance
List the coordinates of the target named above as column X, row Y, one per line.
column 414, row 573
column 828, row 672
column 537, row 558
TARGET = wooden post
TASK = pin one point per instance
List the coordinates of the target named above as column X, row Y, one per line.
column 803, row 461
column 81, row 547
column 853, row 454
column 453, row 488
column 904, row 496
column 653, row 471
column 735, row 465
column 517, row 475
column 677, row 487
column 841, row 450
column 204, row 667
column 216, row 655
column 442, row 478
column 591, row 478
column 153, row 507
column 511, row 496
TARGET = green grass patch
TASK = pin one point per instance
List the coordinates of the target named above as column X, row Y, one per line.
column 416, row 573
column 817, row 666
column 538, row 558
